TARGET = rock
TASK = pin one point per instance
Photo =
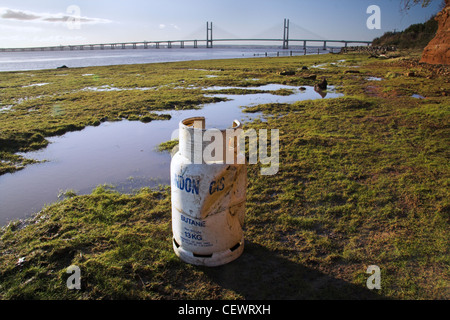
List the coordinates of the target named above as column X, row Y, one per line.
column 302, row 88
column 392, row 75
column 304, row 68
column 310, row 77
column 145, row 119
column 287, row 73
column 321, row 85
column 351, row 71
column 62, row 67
column 438, row 50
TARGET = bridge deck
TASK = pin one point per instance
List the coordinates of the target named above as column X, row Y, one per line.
column 170, row 42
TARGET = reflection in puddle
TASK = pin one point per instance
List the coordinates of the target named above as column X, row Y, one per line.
column 322, row 93
column 121, row 153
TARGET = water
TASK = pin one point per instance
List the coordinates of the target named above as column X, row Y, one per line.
column 122, row 154
column 36, row 60
column 374, row 79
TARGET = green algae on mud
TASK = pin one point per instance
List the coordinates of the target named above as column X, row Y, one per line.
column 363, row 180
column 168, row 145
column 39, row 104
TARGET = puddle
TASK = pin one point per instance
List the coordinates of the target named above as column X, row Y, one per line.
column 298, row 93
column 323, row 66
column 36, row 85
column 6, row 108
column 121, row 153
column 110, row 88
column 208, row 70
column 417, row 96
column 374, row 79
column 320, row 66
column 20, row 100
column 94, row 89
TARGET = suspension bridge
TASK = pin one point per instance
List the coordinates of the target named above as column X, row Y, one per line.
column 286, row 42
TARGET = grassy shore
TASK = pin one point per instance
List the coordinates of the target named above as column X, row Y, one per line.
column 363, row 180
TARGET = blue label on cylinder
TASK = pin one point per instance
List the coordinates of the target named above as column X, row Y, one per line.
column 216, row 186
column 192, row 222
column 190, row 185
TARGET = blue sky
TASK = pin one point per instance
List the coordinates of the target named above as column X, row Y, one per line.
column 25, row 23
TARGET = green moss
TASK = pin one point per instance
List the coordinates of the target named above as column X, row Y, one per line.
column 168, row 145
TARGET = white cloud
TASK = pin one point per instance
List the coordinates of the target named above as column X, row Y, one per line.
column 24, row 29
column 25, row 15
column 171, row 26
column 40, row 40
column 57, row 39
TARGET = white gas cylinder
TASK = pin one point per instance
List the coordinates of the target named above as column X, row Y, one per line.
column 208, row 197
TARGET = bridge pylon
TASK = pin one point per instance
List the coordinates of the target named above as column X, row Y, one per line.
column 286, row 34
column 209, row 34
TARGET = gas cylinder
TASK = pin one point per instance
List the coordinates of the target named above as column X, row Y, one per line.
column 208, row 195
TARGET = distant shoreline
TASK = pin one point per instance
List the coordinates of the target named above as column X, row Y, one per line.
column 47, row 60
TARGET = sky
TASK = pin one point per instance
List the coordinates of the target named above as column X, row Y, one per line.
column 31, row 23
